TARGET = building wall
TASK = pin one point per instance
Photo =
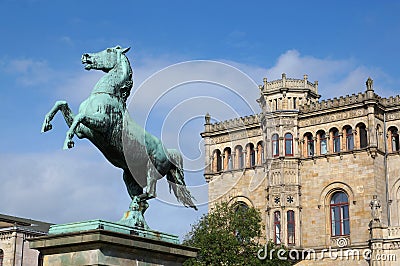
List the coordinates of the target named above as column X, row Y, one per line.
column 305, row 182
column 15, row 246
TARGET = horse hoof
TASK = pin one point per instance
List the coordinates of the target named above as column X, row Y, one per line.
column 47, row 127
column 70, row 144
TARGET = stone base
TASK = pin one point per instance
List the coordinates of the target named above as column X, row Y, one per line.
column 111, row 226
column 103, row 247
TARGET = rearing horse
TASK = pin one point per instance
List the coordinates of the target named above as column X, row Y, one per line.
column 105, row 121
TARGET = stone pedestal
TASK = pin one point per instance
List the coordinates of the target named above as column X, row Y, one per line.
column 104, row 247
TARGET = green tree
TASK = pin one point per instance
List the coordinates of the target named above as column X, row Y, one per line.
column 230, row 235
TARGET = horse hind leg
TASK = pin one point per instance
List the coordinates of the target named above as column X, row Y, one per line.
column 58, row 106
column 134, row 189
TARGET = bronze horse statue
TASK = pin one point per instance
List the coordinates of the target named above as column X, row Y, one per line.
column 104, row 120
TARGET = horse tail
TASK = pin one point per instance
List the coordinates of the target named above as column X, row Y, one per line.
column 176, row 180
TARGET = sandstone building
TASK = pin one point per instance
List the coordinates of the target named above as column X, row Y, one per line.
column 324, row 174
column 15, row 233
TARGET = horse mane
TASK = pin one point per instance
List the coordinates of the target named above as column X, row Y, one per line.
column 128, row 83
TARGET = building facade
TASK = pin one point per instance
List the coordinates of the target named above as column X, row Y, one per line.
column 324, row 174
column 15, row 233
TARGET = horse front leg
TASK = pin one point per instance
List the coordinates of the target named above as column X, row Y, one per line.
column 99, row 122
column 58, row 106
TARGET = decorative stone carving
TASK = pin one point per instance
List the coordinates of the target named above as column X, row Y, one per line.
column 375, row 205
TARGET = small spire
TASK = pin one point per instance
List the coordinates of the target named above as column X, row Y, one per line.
column 265, row 83
column 207, row 118
column 370, row 84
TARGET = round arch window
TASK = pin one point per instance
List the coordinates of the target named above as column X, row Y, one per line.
column 340, row 219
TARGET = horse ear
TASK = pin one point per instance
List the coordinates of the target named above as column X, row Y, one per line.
column 126, row 50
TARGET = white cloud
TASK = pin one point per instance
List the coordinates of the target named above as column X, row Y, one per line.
column 59, row 186
column 336, row 77
column 30, row 72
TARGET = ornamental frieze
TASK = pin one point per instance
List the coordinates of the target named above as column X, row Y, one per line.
column 237, row 135
column 393, row 116
column 321, row 119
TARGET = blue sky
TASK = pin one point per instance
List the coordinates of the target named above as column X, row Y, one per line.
column 338, row 43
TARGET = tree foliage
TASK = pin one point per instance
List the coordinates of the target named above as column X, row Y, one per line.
column 230, row 235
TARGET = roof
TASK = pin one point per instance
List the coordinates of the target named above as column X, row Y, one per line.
column 7, row 221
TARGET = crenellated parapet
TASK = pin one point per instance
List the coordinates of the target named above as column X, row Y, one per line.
column 289, row 83
column 234, row 124
column 335, row 102
column 348, row 100
column 391, row 101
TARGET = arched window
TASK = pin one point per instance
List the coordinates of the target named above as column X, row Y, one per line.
column 240, row 209
column 251, row 153
column 309, row 141
column 275, row 145
column 323, row 143
column 290, row 228
column 241, row 206
column 336, row 140
column 228, row 164
column 394, row 138
column 239, row 157
column 362, row 132
column 260, row 152
column 288, row 144
column 349, row 138
column 1, row 257
column 340, row 221
column 277, row 227
column 217, row 161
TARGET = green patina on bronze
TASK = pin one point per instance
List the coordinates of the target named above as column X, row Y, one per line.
column 104, row 120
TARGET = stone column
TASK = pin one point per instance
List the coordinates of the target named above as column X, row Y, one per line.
column 356, row 137
column 318, row 145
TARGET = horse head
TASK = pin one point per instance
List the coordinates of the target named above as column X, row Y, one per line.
column 104, row 60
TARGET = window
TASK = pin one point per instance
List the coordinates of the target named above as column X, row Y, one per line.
column 240, row 206
column 277, row 227
column 323, row 147
column 310, row 144
column 290, row 228
column 1, row 257
column 294, row 103
column 349, row 139
column 275, row 145
column 363, row 136
column 228, row 165
column 240, row 210
column 336, row 140
column 252, row 155
column 340, row 221
column 239, row 155
column 394, row 134
column 288, row 144
column 217, row 161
